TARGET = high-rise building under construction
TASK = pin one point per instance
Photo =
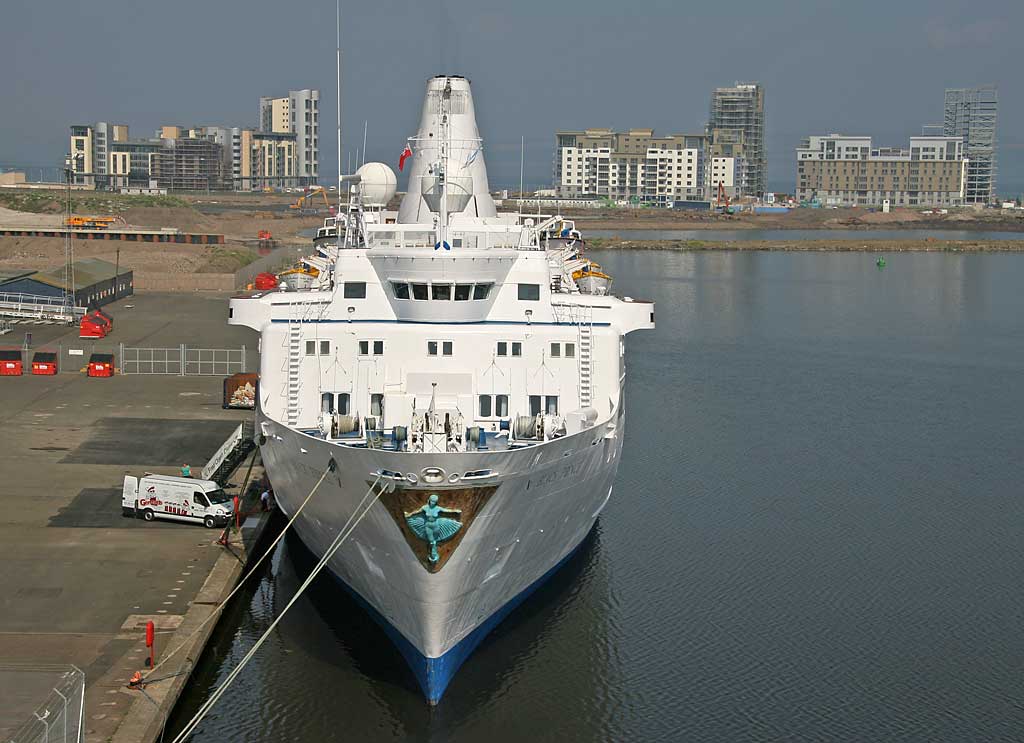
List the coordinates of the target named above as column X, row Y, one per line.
column 971, row 115
column 741, row 108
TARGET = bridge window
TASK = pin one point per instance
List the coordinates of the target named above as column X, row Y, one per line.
column 441, row 291
column 311, row 348
column 551, row 404
column 485, row 406
column 480, row 291
column 556, row 350
column 419, row 291
column 327, row 402
column 377, row 404
column 401, row 289
column 529, row 292
column 343, row 403
column 570, row 350
column 325, row 348
column 463, row 292
column 378, row 348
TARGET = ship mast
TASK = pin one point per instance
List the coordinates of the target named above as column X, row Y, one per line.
column 442, row 175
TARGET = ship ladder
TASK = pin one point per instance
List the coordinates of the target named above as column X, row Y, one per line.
column 353, row 521
column 585, row 336
column 294, row 360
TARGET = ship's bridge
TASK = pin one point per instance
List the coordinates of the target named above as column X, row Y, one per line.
column 424, row 282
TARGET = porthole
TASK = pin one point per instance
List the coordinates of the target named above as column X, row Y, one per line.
column 411, row 477
column 453, row 477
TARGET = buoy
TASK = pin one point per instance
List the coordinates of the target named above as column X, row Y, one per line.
column 880, row 263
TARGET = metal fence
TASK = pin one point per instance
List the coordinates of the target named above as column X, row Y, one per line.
column 182, row 361
column 45, row 703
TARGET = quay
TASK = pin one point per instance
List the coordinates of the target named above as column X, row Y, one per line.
column 79, row 580
column 164, row 235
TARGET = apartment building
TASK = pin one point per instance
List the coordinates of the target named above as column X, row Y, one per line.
column 103, row 156
column 632, row 166
column 740, row 109
column 297, row 113
column 970, row 113
column 840, row 170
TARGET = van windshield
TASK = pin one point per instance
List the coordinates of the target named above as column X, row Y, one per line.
column 218, row 496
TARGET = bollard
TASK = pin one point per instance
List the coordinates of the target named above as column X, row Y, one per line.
column 150, row 638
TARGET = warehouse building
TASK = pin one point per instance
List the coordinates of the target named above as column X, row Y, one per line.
column 94, row 282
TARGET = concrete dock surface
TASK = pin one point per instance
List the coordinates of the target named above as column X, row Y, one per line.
column 79, row 581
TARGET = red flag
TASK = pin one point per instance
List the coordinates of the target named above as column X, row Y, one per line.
column 407, row 152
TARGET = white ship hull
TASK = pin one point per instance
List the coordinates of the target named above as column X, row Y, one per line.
column 546, row 502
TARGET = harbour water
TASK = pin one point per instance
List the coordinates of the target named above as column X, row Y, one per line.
column 815, row 534
column 805, row 235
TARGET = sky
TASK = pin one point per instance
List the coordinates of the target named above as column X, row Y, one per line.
column 866, row 67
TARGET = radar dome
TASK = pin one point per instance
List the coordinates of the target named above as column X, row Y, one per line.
column 377, row 184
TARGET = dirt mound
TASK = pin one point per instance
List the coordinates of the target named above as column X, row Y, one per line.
column 182, row 218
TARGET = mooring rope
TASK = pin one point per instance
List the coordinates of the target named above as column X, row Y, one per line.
column 343, row 534
column 241, row 581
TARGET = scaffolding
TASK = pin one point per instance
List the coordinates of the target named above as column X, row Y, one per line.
column 742, row 108
column 970, row 113
column 190, row 164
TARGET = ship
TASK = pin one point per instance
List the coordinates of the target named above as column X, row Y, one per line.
column 441, row 409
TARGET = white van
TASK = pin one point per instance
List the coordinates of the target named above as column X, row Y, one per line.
column 176, row 499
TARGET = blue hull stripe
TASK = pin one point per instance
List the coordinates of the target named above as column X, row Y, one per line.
column 434, row 674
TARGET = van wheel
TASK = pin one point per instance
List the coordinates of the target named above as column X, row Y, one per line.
column 148, row 514
column 209, row 523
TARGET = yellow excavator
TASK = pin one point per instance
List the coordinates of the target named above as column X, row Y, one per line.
column 305, row 204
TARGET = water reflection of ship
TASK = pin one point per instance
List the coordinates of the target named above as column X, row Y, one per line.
column 332, row 626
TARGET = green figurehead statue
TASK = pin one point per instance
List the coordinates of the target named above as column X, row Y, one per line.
column 430, row 524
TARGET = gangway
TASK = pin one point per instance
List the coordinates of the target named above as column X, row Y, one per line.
column 40, row 308
column 231, row 453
